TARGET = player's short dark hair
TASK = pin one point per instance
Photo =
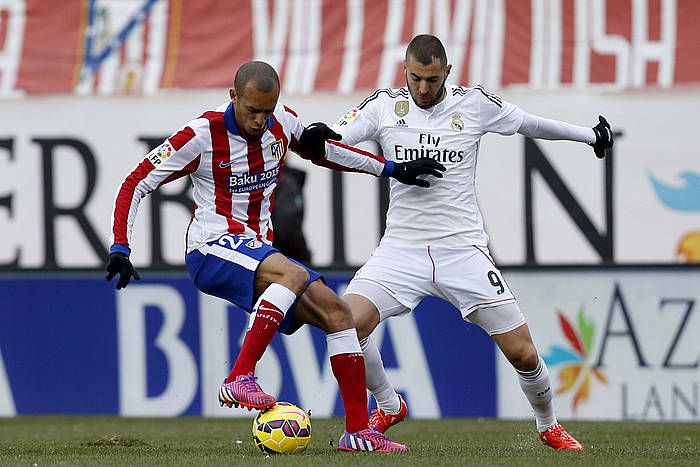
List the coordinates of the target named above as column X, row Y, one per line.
column 259, row 74
column 425, row 48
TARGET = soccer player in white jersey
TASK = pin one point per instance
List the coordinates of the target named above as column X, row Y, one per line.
column 435, row 243
column 233, row 156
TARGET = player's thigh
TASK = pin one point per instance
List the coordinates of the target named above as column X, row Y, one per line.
column 371, row 303
column 364, row 314
column 395, row 279
column 278, row 269
column 498, row 320
column 469, row 279
column 321, row 307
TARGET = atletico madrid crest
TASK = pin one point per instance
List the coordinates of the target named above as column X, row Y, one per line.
column 277, row 149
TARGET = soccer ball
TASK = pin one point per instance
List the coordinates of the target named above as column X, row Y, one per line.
column 282, row 429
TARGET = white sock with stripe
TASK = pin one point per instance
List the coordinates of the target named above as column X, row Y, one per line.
column 377, row 380
column 537, row 387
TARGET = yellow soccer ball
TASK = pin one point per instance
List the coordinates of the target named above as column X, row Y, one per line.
column 282, row 429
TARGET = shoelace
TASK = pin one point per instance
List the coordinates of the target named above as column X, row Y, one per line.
column 250, row 384
column 559, row 432
column 375, row 436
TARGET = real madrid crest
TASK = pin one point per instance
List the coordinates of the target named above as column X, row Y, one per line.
column 457, row 123
column 401, row 108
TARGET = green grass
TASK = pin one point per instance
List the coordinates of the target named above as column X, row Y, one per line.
column 197, row 441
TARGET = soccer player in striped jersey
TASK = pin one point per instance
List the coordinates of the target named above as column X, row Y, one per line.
column 435, row 243
column 233, row 155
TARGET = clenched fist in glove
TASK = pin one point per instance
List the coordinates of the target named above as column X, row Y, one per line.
column 407, row 172
column 603, row 137
column 312, row 142
column 119, row 264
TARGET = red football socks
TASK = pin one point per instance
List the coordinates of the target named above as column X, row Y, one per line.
column 267, row 321
column 349, row 370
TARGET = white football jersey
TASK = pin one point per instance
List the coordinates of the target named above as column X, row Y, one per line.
column 447, row 212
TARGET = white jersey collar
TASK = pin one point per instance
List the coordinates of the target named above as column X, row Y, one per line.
column 437, row 107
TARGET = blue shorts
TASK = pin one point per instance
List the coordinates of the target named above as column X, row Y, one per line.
column 226, row 267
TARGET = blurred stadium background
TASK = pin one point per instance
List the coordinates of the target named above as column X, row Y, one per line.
column 601, row 254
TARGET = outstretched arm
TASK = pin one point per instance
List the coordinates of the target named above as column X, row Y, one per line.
column 600, row 136
column 319, row 144
column 177, row 157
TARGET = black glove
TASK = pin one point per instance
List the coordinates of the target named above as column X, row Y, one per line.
column 119, row 264
column 407, row 172
column 603, row 137
column 312, row 141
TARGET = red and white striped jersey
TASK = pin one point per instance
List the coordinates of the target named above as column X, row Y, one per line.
column 233, row 179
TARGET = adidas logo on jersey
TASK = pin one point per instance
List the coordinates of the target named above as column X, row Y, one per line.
column 401, row 124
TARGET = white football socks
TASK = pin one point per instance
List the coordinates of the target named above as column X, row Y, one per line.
column 537, row 387
column 377, row 381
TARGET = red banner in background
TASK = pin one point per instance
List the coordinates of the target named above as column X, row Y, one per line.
column 114, row 47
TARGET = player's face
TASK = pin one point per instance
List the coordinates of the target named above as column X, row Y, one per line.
column 426, row 83
column 252, row 108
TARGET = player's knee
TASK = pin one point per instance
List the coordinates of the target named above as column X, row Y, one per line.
column 295, row 279
column 526, row 358
column 337, row 317
column 365, row 324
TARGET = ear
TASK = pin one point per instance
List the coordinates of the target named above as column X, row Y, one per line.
column 232, row 94
column 447, row 70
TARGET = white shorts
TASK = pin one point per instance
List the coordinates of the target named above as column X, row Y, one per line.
column 396, row 278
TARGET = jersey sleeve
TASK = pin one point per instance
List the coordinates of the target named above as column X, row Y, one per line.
column 296, row 128
column 177, row 156
column 360, row 123
column 546, row 128
column 497, row 115
column 346, row 158
column 341, row 156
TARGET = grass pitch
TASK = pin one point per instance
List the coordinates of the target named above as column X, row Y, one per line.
column 36, row 441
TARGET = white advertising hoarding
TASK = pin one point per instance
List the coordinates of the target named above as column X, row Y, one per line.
column 62, row 159
column 619, row 344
